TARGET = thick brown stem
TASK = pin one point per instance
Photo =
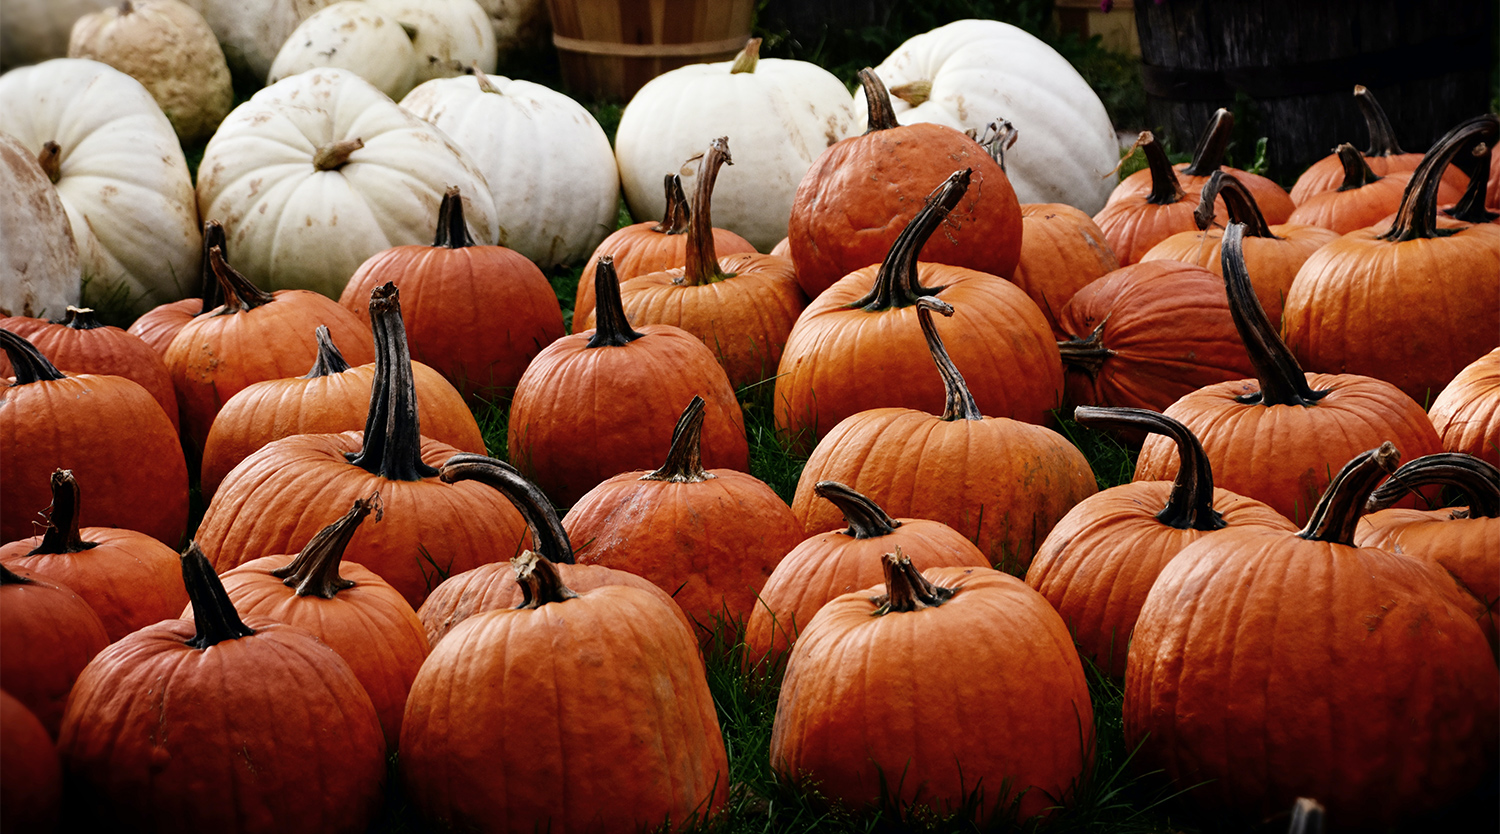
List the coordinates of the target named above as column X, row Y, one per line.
column 10, row 577
column 1382, row 135
column 1190, row 506
column 1238, row 201
column 611, row 326
column 26, row 361
column 1165, row 188
column 335, row 155
column 51, row 160
column 239, row 294
column 1282, row 381
column 1337, row 513
column 315, row 570
column 329, row 361
column 748, row 57
column 1417, row 216
column 1357, row 173
column 452, row 231
column 208, row 283
column 907, row 589
column 877, row 101
column 702, row 261
column 393, row 434
column 1471, row 206
column 677, row 217
column 547, row 534
column 1478, row 479
column 213, row 613
column 897, row 283
column 958, row 403
column 685, row 459
column 1212, row 145
column 867, row 520
column 63, row 535
column 539, row 580
column 1087, row 353
column 81, row 318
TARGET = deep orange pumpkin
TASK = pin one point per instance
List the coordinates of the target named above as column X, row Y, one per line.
column 1466, row 413
column 30, row 776
column 158, row 326
column 1360, row 201
column 1136, row 221
column 47, row 635
column 1062, row 251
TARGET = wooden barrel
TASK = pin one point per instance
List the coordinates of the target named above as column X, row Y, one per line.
column 1288, row 69
column 610, row 48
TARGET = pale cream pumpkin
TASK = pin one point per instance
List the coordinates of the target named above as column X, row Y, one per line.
column 39, row 273
column 252, row 31
column 319, row 171
column 120, row 173
column 32, row 31
column 355, row 36
column 449, row 36
column 547, row 160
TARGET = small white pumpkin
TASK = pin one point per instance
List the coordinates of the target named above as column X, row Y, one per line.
column 39, row 273
column 32, row 31
column 973, row 72
column 120, row 173
column 449, row 36
column 252, row 31
column 547, row 160
column 355, row 36
column 779, row 115
column 167, row 46
column 319, row 171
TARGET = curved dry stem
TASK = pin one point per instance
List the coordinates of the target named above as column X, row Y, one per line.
column 452, row 231
column 1478, row 479
column 28, row 363
column 1417, row 216
column 907, row 589
column 239, row 294
column 958, row 402
column 63, row 534
column 611, row 326
column 315, row 570
column 329, row 360
column 547, row 534
column 1212, row 145
column 213, row 613
column 866, row 519
column 678, row 215
column 1337, row 513
column 897, row 284
column 539, row 580
column 685, row 459
column 1382, row 135
column 1282, row 381
column 392, row 445
column 1357, row 172
column 702, row 261
column 878, row 102
column 1238, row 202
column 1190, row 505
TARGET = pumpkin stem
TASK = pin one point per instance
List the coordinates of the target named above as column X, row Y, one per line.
column 335, row 155
column 1478, row 479
column 329, row 361
column 684, row 460
column 1382, row 135
column 1282, row 381
column 702, row 261
column 867, row 519
column 452, row 231
column 548, row 537
column 1334, row 518
column 485, row 85
column 1165, row 189
column 315, row 570
column 1470, row 207
column 26, row 361
column 208, row 283
column 907, row 589
column 611, row 326
column 239, row 294
column 539, row 580
column 51, row 160
column 1357, row 173
column 1087, row 353
column 914, row 93
column 1238, row 201
column 678, row 214
column 213, row 612
column 897, row 283
column 1190, row 506
column 126, row 7
column 81, row 318
column 1212, row 145
column 878, row 102
column 1417, row 216
column 10, row 577
column 63, row 535
column 748, row 57
column 392, row 445
column 958, row 403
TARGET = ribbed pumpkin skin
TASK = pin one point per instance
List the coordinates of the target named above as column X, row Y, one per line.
column 1412, row 313
column 31, row 788
column 866, row 696
column 1355, row 209
column 1132, row 226
column 1100, row 561
column 1327, row 174
column 47, row 635
column 588, row 715
column 638, row 251
column 1062, row 251
column 158, row 326
column 1278, row 668
column 1285, row 455
column 1466, row 413
column 276, row 720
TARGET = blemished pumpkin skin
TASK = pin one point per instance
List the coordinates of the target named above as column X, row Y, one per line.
column 493, row 586
column 860, row 193
column 1278, row 436
column 47, row 635
column 576, row 712
column 277, row 499
column 598, row 403
column 1466, row 413
column 1428, row 299
column 710, row 538
column 81, row 344
column 1273, row 254
column 1001, row 483
column 1062, row 251
column 476, row 314
column 1361, row 201
column 827, row 565
column 109, row 430
column 330, row 398
column 647, row 247
column 874, row 705
column 1268, row 665
column 158, row 326
column 1099, row 562
column 858, row 346
column 1135, row 222
column 130, row 579
column 166, row 723
column 346, row 605
column 1464, row 542
column 30, row 775
column 741, row 306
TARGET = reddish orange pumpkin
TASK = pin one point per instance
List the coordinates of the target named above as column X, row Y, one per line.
column 1062, row 251
column 30, row 776
column 47, row 635
column 1362, row 199
column 1135, row 221
column 1466, row 413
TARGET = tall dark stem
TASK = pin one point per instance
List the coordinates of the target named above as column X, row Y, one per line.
column 866, row 519
column 63, row 534
column 213, row 613
column 702, row 261
column 1212, row 145
column 1190, row 505
column 1165, row 188
column 878, row 102
column 1282, row 381
column 958, row 402
column 907, row 589
column 897, row 283
column 1382, row 135
column 1417, row 216
column 328, row 361
column 547, row 534
column 26, row 361
column 685, row 459
column 1338, row 511
column 239, row 294
column 208, row 283
column 611, row 326
column 452, row 231
column 10, row 577
column 1478, row 479
column 677, row 217
column 393, row 435
column 1238, row 201
column 1470, row 207
column 1357, row 173
column 315, row 570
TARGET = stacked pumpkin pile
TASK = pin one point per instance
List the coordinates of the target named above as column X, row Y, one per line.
column 366, row 568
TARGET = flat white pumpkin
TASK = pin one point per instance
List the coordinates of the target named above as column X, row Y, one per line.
column 779, row 117
column 252, row 31
column 450, row 36
column 39, row 273
column 32, row 31
column 973, row 72
column 355, row 36
column 547, row 160
column 290, row 225
column 120, row 173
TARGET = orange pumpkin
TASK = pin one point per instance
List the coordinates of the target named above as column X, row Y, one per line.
column 1466, row 412
column 1137, row 221
column 47, row 635
column 1062, row 251
column 158, row 326
column 30, row 776
column 1360, row 201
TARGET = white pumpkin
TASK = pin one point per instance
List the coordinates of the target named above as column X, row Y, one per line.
column 779, row 115
column 355, row 36
column 973, row 72
column 32, row 31
column 252, row 31
column 167, row 46
column 120, row 173
column 547, row 160
column 319, row 171
column 39, row 273
column 449, row 36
